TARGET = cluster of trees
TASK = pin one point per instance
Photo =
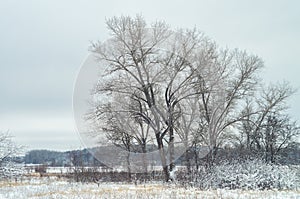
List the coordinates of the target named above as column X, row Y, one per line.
column 51, row 158
column 180, row 89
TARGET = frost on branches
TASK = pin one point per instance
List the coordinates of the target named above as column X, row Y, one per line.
column 8, row 151
column 249, row 174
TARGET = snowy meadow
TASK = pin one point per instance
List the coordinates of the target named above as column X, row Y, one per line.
column 38, row 188
column 171, row 114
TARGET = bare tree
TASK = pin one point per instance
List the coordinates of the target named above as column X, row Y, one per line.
column 228, row 77
column 279, row 132
column 268, row 128
column 130, row 134
column 8, row 151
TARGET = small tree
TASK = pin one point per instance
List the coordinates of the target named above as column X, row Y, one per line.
column 268, row 129
column 8, row 151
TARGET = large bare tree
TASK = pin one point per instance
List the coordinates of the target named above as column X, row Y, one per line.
column 153, row 70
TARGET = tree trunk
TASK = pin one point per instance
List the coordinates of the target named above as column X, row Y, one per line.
column 128, row 166
column 171, row 149
column 163, row 157
column 145, row 162
column 188, row 161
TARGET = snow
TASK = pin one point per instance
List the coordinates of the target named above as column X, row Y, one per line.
column 44, row 188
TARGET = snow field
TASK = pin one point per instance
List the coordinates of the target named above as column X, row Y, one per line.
column 48, row 188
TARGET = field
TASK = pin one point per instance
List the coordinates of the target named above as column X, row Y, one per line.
column 45, row 188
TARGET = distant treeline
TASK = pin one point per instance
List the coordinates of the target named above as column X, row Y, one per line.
column 289, row 155
column 55, row 158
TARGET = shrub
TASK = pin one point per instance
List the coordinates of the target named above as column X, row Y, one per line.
column 250, row 174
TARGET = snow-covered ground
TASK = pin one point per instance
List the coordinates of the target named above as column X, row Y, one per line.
column 38, row 188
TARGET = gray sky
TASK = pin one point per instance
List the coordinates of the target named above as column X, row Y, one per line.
column 43, row 44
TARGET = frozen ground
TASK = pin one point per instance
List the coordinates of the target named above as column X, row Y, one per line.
column 53, row 188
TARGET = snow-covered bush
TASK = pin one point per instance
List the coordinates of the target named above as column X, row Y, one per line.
column 250, row 174
column 11, row 171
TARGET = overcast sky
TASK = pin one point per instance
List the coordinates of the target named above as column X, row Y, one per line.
column 43, row 44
